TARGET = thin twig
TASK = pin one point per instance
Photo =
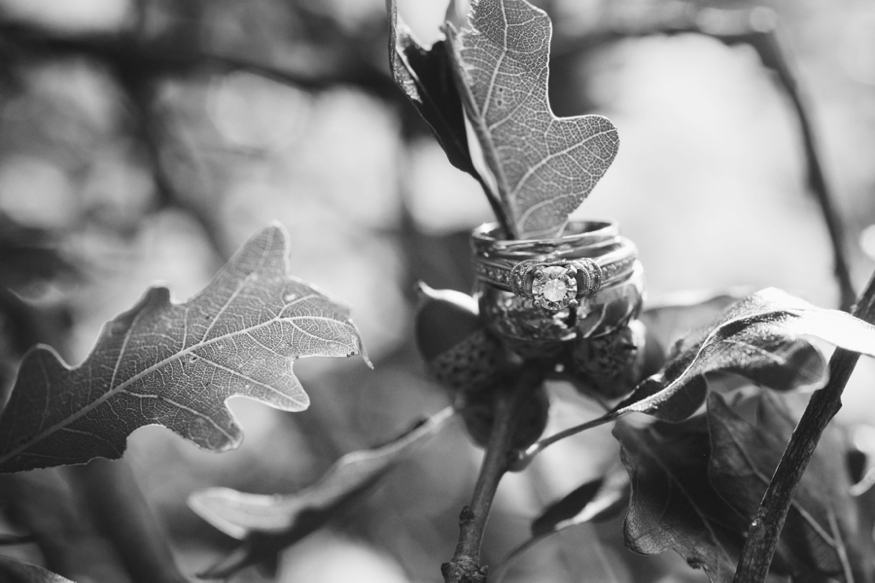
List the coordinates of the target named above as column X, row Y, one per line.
column 465, row 566
column 758, row 29
column 771, row 50
column 765, row 530
column 525, row 458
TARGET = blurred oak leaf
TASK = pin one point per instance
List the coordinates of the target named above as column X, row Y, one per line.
column 176, row 364
column 598, row 499
column 268, row 524
column 539, row 166
column 822, row 531
column 13, row 571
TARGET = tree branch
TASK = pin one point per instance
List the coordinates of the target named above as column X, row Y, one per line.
column 765, row 530
column 327, row 68
column 770, row 48
column 465, row 566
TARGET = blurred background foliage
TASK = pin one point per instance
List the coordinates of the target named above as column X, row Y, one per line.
column 145, row 140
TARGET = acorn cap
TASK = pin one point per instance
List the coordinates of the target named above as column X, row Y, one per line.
column 445, row 318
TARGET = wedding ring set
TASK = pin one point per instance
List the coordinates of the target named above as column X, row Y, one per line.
column 587, row 283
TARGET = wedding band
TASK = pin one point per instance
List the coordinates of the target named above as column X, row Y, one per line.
column 554, row 284
column 487, row 242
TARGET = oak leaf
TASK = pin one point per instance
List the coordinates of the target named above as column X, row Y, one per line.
column 177, row 364
column 759, row 338
column 822, row 533
column 673, row 506
column 539, row 166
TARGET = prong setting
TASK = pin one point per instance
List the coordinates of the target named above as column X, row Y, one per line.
column 555, row 286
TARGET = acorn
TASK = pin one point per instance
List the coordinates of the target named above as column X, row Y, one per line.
column 478, row 412
column 611, row 365
column 459, row 353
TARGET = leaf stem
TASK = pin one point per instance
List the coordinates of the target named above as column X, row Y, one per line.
column 524, row 458
column 465, row 566
column 762, row 537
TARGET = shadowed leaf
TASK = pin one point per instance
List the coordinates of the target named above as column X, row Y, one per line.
column 177, row 364
column 673, row 506
column 12, row 571
column 539, row 166
column 744, row 455
column 426, row 77
column 597, row 500
column 267, row 524
column 566, row 507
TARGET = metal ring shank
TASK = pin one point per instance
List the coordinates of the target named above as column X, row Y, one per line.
column 581, row 236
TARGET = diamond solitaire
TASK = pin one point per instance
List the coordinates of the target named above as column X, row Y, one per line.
column 554, row 286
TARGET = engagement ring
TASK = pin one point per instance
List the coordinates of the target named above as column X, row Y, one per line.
column 554, row 284
column 585, row 284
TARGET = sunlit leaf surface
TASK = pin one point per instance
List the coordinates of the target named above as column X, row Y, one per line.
column 541, row 167
column 177, row 364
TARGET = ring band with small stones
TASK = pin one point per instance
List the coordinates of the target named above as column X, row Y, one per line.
column 582, row 238
column 554, row 284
